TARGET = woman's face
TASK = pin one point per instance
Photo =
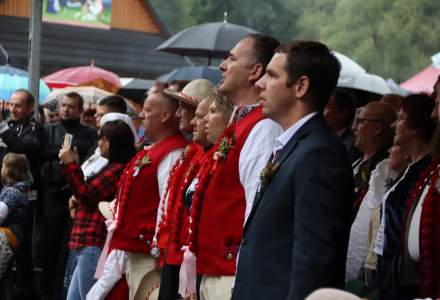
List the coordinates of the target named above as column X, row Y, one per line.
column 104, row 147
column 215, row 122
column 198, row 123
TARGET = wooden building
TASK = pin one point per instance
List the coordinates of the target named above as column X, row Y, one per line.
column 126, row 47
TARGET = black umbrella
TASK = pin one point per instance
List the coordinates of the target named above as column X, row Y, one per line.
column 136, row 89
column 212, row 74
column 213, row 40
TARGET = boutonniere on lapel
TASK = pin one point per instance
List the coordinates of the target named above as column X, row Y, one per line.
column 140, row 163
column 267, row 173
column 225, row 145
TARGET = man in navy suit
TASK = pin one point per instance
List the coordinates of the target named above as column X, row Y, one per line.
column 295, row 239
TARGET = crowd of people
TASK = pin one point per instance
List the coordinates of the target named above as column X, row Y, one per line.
column 273, row 184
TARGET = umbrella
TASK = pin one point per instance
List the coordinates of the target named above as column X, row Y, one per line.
column 135, row 89
column 397, row 89
column 212, row 74
column 213, row 40
column 12, row 79
column 349, row 68
column 423, row 81
column 101, row 84
column 77, row 75
column 90, row 94
column 367, row 82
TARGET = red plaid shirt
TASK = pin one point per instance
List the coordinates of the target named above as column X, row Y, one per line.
column 89, row 225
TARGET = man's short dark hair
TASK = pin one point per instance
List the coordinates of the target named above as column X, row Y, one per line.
column 263, row 49
column 115, row 103
column 78, row 98
column 30, row 99
column 315, row 61
column 345, row 101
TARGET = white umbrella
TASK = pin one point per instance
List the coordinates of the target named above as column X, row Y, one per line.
column 366, row 82
column 397, row 89
column 90, row 94
column 348, row 66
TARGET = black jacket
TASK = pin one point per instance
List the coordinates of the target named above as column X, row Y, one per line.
column 25, row 137
column 84, row 139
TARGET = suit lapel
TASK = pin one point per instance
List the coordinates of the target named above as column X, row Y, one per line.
column 284, row 154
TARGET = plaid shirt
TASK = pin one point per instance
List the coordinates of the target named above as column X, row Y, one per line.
column 89, row 225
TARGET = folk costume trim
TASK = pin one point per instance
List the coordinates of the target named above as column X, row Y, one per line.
column 207, row 171
column 180, row 206
column 427, row 271
column 173, row 188
column 131, row 171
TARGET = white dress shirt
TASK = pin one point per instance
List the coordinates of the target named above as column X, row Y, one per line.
column 254, row 156
column 285, row 137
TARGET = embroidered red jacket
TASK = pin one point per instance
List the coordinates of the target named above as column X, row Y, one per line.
column 221, row 213
column 138, row 198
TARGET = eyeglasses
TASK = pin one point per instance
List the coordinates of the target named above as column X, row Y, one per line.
column 363, row 120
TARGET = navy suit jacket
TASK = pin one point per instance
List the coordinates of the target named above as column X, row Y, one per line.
column 295, row 239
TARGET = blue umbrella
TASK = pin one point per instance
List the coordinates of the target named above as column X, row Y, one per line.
column 12, row 79
column 212, row 74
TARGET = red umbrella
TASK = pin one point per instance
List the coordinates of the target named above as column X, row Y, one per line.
column 423, row 81
column 77, row 75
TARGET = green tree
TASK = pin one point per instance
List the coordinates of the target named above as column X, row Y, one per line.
column 390, row 38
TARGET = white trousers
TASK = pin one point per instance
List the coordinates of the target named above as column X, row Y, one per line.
column 216, row 287
column 142, row 277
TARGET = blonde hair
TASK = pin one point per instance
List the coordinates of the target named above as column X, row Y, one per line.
column 15, row 168
column 222, row 102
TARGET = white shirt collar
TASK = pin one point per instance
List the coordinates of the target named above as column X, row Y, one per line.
column 285, row 137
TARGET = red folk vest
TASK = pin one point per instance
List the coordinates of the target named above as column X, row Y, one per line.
column 138, row 197
column 181, row 176
column 222, row 209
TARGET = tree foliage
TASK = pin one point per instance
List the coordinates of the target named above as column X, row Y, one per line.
column 391, row 38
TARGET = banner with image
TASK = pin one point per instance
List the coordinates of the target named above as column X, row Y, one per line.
column 89, row 13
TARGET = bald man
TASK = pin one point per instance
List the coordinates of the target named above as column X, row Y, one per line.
column 374, row 136
column 141, row 187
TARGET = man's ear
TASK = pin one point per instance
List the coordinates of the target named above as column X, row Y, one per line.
column 301, row 86
column 257, row 72
column 166, row 115
column 379, row 128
